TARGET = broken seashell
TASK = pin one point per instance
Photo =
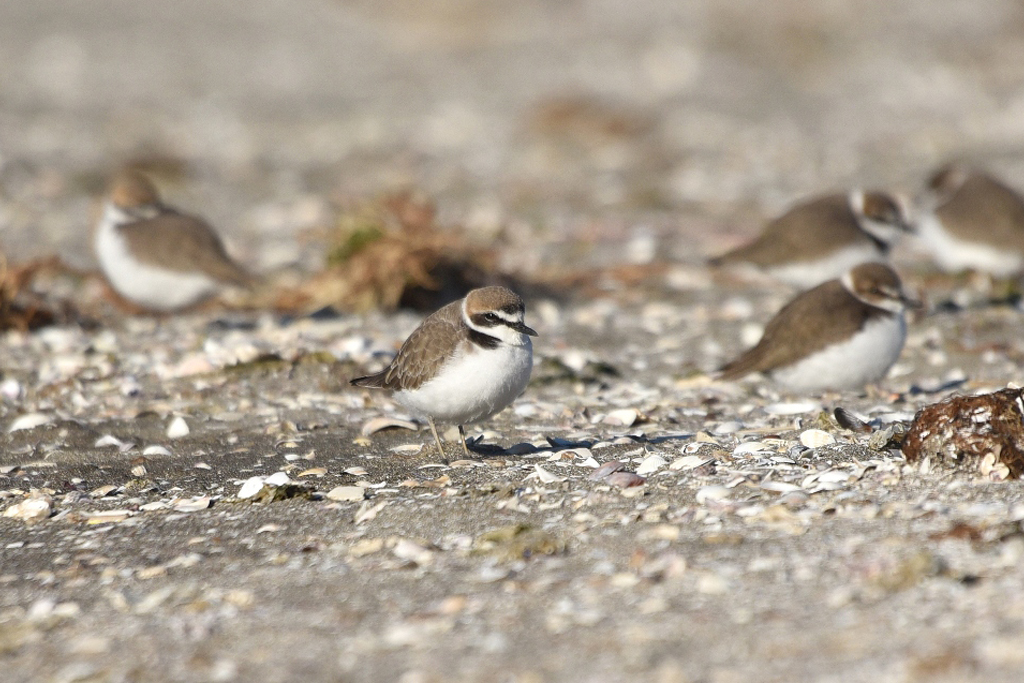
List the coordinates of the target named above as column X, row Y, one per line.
column 347, row 493
column 251, row 487
column 814, row 438
column 689, row 462
column 378, row 424
column 651, row 463
column 545, row 476
column 30, row 421
column 625, row 480
column 623, row 417
column 606, row 469
column 177, row 428
column 31, row 509
column 277, row 479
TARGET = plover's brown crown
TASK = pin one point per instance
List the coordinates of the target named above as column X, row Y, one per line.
column 130, row 189
column 438, row 337
column 815, row 229
column 821, row 317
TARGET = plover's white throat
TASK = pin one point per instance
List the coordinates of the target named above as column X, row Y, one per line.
column 156, row 257
column 842, row 334
column 970, row 220
column 821, row 239
column 464, row 363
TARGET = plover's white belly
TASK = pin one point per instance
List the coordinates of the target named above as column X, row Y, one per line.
column 150, row 286
column 807, row 274
column 864, row 358
column 474, row 386
column 953, row 254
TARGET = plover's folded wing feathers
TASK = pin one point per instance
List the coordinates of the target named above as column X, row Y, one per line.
column 796, row 232
column 984, row 201
column 428, row 347
column 183, row 243
column 789, row 337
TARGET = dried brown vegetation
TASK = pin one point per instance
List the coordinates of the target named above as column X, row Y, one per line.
column 391, row 252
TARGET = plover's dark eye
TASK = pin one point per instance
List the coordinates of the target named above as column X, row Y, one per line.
column 491, row 318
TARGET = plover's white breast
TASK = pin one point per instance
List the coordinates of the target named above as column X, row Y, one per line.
column 807, row 274
column 147, row 285
column 473, row 386
column 953, row 254
column 851, row 364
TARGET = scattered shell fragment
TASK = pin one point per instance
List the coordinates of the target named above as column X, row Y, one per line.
column 791, row 408
column 356, row 471
column 624, row 417
column 625, row 480
column 313, row 472
column 606, row 469
column 689, row 462
column 407, row 448
column 177, row 428
column 651, row 463
column 712, row 493
column 191, row 504
column 30, row 421
column 346, row 493
column 250, row 487
column 111, row 440
column 544, row 476
column 814, row 438
column 31, row 509
column 414, row 552
column 277, row 479
column 156, row 450
column 378, row 424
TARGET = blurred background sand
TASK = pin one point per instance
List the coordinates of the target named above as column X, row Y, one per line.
column 581, row 119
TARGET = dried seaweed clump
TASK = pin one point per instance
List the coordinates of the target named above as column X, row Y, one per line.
column 984, row 434
column 391, row 252
column 20, row 308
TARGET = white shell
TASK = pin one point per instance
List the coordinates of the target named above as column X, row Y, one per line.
column 251, row 487
column 30, row 421
column 651, row 463
column 624, row 417
column 178, row 428
column 813, row 438
column 30, row 509
column 347, row 493
column 377, row 424
column 689, row 462
column 710, row 493
column 277, row 479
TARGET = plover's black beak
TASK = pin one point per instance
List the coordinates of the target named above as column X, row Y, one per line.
column 521, row 327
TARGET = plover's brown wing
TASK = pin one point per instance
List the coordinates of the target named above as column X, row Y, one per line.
column 426, row 349
column 807, row 231
column 814, row 320
column 183, row 243
column 986, row 210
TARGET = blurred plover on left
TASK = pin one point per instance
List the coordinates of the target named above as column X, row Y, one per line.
column 465, row 362
column 842, row 334
column 156, row 257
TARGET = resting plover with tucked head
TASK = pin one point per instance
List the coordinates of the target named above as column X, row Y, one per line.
column 970, row 220
column 156, row 257
column 821, row 239
column 840, row 335
column 464, row 363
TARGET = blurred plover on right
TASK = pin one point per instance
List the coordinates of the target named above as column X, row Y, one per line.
column 822, row 238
